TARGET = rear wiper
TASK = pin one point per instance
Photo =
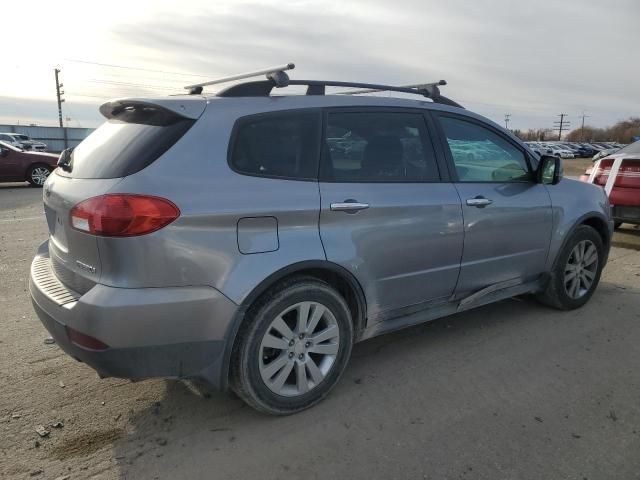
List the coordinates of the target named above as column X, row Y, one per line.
column 64, row 161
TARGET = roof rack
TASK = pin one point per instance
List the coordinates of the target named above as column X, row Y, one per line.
column 275, row 74
column 276, row 77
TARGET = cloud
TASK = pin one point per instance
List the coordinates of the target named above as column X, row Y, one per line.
column 533, row 60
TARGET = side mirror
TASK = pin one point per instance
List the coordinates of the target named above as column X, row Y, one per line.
column 550, row 170
column 4, row 152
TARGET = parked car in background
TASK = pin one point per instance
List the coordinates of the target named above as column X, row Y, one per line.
column 18, row 165
column 624, row 194
column 604, row 153
column 22, row 141
column 276, row 234
column 588, row 150
column 558, row 151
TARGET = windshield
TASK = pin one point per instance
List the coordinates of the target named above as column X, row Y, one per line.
column 10, row 147
column 21, row 137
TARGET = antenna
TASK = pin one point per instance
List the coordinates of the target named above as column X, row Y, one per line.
column 275, row 74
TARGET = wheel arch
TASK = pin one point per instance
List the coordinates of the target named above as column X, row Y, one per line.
column 335, row 275
column 594, row 220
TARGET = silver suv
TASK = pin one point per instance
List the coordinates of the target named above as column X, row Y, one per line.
column 248, row 240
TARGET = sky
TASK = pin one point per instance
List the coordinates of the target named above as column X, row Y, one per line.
column 531, row 60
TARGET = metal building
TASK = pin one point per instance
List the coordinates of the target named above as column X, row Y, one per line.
column 54, row 137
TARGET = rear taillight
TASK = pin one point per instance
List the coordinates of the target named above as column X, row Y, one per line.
column 123, row 215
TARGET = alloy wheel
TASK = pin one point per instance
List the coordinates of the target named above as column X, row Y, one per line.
column 580, row 271
column 39, row 175
column 299, row 349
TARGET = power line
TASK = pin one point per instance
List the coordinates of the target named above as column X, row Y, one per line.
column 111, row 65
column 129, row 84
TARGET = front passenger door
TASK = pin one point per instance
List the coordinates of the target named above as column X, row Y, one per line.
column 507, row 214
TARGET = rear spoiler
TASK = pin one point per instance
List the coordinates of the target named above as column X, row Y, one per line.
column 187, row 107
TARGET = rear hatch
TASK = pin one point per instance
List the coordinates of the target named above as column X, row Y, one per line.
column 136, row 133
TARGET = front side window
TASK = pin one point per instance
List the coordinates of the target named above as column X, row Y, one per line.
column 377, row 147
column 480, row 155
column 280, row 145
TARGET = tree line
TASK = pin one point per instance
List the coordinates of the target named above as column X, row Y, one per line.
column 622, row 132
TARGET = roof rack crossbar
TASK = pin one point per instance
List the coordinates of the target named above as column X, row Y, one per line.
column 275, row 74
column 417, row 86
column 278, row 78
column 429, row 90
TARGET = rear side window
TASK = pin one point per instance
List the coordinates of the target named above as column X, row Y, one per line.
column 125, row 144
column 377, row 147
column 278, row 145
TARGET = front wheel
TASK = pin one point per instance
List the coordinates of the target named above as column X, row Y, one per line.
column 293, row 347
column 577, row 271
column 37, row 175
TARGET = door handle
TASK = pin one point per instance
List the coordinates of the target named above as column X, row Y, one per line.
column 479, row 202
column 348, row 206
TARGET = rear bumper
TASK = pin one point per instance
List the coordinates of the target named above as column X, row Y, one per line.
column 176, row 332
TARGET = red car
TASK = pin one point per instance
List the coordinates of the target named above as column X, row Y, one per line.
column 17, row 165
column 624, row 189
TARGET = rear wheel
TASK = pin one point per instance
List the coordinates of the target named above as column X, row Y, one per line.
column 37, row 175
column 577, row 271
column 293, row 348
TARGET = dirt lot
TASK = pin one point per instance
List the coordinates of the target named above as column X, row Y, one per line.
column 509, row 391
column 574, row 167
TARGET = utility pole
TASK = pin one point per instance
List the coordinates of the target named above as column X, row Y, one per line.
column 582, row 128
column 506, row 120
column 561, row 124
column 59, row 93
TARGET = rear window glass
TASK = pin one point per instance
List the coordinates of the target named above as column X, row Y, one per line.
column 126, row 144
column 279, row 145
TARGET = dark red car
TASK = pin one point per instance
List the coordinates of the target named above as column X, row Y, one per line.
column 623, row 190
column 17, row 165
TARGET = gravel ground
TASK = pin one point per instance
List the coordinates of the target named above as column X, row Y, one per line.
column 509, row 391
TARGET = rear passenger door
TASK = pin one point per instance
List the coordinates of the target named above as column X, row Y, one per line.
column 385, row 214
column 507, row 214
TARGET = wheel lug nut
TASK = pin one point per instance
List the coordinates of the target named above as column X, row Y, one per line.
column 291, row 343
column 301, row 336
column 290, row 354
column 301, row 356
column 307, row 345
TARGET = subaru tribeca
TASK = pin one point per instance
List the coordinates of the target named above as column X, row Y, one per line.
column 249, row 240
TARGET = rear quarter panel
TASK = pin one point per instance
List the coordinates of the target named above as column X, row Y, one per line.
column 201, row 247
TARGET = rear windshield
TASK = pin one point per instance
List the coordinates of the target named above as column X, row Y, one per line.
column 127, row 143
column 633, row 148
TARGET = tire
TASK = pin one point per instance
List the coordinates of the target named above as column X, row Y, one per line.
column 617, row 225
column 561, row 292
column 36, row 175
column 261, row 348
